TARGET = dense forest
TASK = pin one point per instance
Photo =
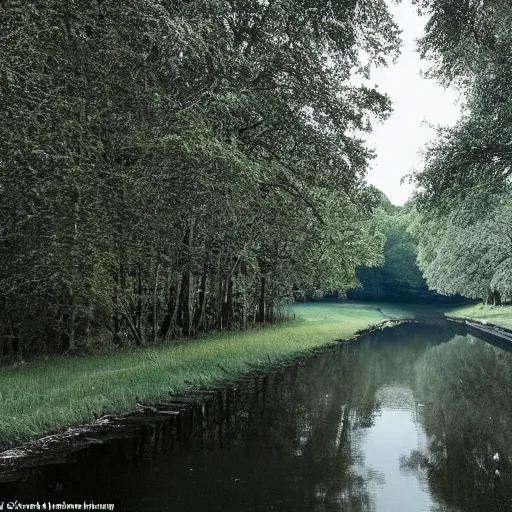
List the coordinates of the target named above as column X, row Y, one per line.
column 399, row 279
column 464, row 228
column 170, row 168
column 173, row 167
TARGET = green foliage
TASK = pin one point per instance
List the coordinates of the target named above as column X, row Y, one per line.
column 399, row 274
column 464, row 188
column 469, row 257
column 382, row 202
column 400, row 251
column 169, row 167
column 461, row 35
column 469, row 43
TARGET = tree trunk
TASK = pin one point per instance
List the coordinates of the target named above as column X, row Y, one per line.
column 15, row 342
column 138, row 311
column 190, row 304
column 262, row 302
column 184, row 310
column 228, row 304
column 72, row 328
column 133, row 329
column 88, row 326
column 218, row 295
column 116, row 319
column 244, row 312
column 185, row 314
column 172, row 310
column 155, row 301
column 201, row 309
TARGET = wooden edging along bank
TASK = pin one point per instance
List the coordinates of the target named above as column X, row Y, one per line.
column 484, row 327
column 183, row 413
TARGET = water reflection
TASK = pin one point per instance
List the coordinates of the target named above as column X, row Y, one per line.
column 466, row 386
column 410, row 418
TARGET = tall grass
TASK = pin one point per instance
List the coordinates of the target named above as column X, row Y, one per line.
column 47, row 396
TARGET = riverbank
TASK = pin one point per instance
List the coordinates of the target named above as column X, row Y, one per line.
column 496, row 315
column 47, row 396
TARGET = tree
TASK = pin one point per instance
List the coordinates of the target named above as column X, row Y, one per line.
column 399, row 277
column 464, row 187
column 470, row 257
column 171, row 167
column 469, row 44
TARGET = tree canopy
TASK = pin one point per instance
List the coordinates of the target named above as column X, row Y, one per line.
column 468, row 44
column 464, row 188
column 399, row 278
column 472, row 259
column 172, row 167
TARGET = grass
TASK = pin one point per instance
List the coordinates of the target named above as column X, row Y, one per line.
column 497, row 315
column 49, row 395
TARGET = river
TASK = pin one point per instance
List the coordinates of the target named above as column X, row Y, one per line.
column 411, row 418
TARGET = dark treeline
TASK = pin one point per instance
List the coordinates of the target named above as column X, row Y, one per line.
column 399, row 279
column 171, row 167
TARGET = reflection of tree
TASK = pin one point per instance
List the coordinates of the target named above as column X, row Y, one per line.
column 416, row 461
column 466, row 386
column 315, row 416
column 311, row 419
column 291, row 439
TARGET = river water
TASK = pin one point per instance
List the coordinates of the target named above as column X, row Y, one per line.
column 411, row 418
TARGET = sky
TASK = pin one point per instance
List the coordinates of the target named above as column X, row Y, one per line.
column 398, row 140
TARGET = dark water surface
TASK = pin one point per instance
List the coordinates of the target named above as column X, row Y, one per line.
column 412, row 418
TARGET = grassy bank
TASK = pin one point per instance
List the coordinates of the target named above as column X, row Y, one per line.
column 46, row 396
column 497, row 315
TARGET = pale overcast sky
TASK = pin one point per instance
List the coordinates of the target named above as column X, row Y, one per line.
column 398, row 140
